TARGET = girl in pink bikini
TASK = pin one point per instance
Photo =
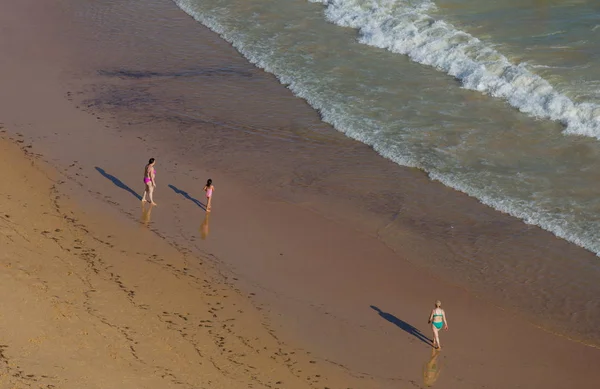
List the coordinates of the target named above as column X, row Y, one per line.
column 149, row 181
column 208, row 188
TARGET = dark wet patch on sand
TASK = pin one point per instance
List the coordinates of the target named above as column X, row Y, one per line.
column 204, row 72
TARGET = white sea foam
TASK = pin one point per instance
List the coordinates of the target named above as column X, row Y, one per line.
column 404, row 27
column 560, row 32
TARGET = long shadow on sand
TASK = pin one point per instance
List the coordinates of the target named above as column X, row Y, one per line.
column 403, row 325
column 187, row 196
column 118, row 182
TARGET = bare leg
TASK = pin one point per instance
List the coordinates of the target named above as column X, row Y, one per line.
column 145, row 192
column 150, row 193
column 436, row 337
column 208, row 203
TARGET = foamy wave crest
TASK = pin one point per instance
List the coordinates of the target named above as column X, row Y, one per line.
column 402, row 26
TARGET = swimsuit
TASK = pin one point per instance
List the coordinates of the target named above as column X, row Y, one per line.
column 209, row 192
column 148, row 180
column 438, row 324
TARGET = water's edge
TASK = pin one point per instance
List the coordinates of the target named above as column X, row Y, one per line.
column 508, row 206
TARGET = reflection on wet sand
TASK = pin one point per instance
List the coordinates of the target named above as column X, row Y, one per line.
column 146, row 212
column 204, row 226
column 432, row 369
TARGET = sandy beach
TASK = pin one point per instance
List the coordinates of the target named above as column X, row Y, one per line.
column 275, row 289
column 97, row 304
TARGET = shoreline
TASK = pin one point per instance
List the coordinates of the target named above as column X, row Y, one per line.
column 332, row 316
column 333, row 323
column 445, row 232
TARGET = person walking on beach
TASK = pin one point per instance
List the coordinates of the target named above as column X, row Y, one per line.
column 149, row 181
column 208, row 188
column 438, row 319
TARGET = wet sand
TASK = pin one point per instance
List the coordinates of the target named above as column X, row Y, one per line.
column 322, row 278
column 219, row 112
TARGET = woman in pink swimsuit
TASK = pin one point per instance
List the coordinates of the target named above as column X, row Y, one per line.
column 208, row 188
column 149, row 181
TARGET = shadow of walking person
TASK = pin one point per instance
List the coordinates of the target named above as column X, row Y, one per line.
column 403, row 325
column 187, row 196
column 118, row 182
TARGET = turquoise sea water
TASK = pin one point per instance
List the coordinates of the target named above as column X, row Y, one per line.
column 500, row 100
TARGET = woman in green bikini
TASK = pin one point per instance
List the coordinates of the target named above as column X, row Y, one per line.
column 438, row 320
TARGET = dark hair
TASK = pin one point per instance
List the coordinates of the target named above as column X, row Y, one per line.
column 151, row 161
column 209, row 182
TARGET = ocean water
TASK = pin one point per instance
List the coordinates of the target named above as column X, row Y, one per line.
column 500, row 100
